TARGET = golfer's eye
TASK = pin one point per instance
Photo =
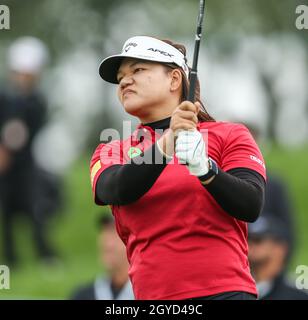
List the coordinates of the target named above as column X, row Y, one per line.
column 138, row 70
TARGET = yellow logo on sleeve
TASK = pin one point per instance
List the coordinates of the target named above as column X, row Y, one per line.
column 94, row 170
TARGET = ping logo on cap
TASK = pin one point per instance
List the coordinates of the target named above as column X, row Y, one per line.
column 129, row 45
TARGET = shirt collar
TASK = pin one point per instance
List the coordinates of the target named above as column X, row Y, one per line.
column 264, row 288
column 160, row 124
column 149, row 129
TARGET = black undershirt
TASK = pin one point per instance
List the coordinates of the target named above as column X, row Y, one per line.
column 240, row 191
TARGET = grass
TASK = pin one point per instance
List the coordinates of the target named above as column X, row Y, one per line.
column 73, row 232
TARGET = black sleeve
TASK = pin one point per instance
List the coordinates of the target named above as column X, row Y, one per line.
column 124, row 184
column 240, row 192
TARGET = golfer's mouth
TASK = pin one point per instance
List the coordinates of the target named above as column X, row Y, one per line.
column 127, row 92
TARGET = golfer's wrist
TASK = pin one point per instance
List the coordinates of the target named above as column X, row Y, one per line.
column 212, row 172
column 208, row 181
column 165, row 146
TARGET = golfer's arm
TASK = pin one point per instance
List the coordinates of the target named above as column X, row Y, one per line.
column 240, row 192
column 124, row 184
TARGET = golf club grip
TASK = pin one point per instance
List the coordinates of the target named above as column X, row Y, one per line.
column 192, row 86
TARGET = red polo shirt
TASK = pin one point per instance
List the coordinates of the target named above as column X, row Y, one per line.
column 180, row 243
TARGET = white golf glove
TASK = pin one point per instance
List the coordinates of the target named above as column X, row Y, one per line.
column 190, row 150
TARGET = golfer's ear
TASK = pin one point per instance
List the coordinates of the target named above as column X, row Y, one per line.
column 176, row 80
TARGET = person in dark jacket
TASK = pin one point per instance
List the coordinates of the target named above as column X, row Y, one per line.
column 23, row 113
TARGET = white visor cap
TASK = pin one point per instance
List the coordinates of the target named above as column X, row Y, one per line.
column 27, row 54
column 144, row 48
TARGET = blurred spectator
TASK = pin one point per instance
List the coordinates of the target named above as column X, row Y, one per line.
column 278, row 204
column 24, row 188
column 115, row 285
column 268, row 240
column 277, row 200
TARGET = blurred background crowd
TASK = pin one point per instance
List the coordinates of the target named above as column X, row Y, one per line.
column 53, row 106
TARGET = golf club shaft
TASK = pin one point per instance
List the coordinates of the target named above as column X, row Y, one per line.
column 193, row 72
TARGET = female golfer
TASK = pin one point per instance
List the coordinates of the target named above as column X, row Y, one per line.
column 182, row 187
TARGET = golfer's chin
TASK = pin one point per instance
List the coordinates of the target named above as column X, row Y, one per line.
column 133, row 107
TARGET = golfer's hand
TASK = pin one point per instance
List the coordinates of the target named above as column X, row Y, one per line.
column 185, row 117
column 190, row 150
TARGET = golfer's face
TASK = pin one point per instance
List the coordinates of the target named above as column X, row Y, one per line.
column 112, row 249
column 23, row 81
column 142, row 85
